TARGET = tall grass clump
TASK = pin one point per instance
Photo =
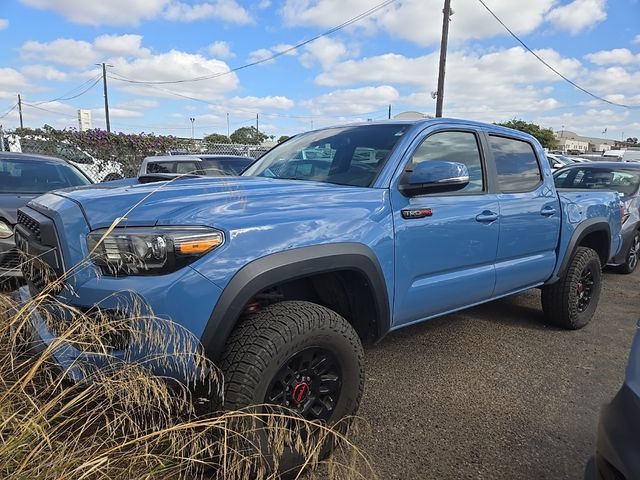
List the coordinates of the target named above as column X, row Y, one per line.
column 62, row 417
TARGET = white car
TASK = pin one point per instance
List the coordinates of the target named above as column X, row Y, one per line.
column 201, row 164
column 97, row 170
column 558, row 161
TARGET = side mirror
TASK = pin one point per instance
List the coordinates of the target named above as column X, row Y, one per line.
column 434, row 176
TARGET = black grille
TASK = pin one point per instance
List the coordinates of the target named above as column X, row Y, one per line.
column 30, row 224
column 11, row 259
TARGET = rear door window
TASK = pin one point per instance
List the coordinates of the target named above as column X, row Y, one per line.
column 516, row 164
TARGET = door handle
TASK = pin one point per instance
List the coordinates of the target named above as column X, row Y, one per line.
column 487, row 217
column 547, row 211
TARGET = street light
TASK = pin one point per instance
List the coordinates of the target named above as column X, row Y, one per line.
column 193, row 120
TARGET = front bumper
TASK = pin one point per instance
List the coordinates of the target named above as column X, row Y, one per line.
column 618, row 446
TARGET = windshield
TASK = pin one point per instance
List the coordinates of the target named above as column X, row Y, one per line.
column 225, row 166
column 37, row 176
column 625, row 182
column 350, row 155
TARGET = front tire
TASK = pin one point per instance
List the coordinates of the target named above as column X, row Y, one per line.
column 572, row 301
column 299, row 355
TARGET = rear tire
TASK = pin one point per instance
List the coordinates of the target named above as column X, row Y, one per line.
column 299, row 355
column 631, row 260
column 572, row 301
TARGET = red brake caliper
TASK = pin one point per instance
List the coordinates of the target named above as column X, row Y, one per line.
column 300, row 392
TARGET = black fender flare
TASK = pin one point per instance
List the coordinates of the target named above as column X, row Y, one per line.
column 595, row 224
column 280, row 267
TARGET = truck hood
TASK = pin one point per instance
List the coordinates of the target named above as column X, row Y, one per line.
column 202, row 201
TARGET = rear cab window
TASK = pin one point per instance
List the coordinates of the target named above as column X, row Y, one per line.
column 517, row 165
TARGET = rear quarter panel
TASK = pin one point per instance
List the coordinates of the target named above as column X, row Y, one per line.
column 580, row 206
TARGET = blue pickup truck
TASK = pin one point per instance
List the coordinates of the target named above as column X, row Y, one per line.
column 332, row 239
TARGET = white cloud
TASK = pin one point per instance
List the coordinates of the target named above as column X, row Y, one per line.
column 11, row 82
column 260, row 55
column 617, row 56
column 420, row 21
column 636, row 39
column 114, row 112
column 228, row 11
column 143, row 103
column 264, row 53
column 63, row 51
column 262, row 4
column 514, row 65
column 175, row 65
column 121, row 45
column 221, row 50
column 589, row 122
column 133, row 12
column 355, row 101
column 79, row 53
column 111, row 12
column 325, row 51
column 578, row 15
column 4, row 23
column 250, row 105
column 45, row 72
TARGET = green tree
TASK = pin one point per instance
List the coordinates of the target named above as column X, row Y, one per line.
column 544, row 135
column 283, row 138
column 633, row 140
column 248, row 136
column 216, row 138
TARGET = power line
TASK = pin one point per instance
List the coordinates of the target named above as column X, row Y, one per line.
column 15, row 105
column 597, row 97
column 93, row 82
column 47, row 110
column 351, row 21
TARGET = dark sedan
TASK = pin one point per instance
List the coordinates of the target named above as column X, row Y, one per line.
column 23, row 177
column 623, row 178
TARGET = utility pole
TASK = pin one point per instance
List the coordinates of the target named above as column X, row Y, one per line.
column 446, row 17
column 193, row 120
column 389, row 111
column 257, row 124
column 20, row 110
column 106, row 96
column 228, row 131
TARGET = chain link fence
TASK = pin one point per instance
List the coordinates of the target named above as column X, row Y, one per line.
column 118, row 155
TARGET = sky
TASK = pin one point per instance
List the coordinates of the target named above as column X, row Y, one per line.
column 390, row 57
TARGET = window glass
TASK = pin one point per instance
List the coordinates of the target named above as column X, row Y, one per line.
column 161, row 167
column 217, row 167
column 460, row 147
column 351, row 155
column 186, row 168
column 37, row 176
column 516, row 164
column 625, row 182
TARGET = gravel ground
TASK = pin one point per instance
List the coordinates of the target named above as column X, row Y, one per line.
column 493, row 392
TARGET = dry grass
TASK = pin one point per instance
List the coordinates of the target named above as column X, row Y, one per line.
column 123, row 422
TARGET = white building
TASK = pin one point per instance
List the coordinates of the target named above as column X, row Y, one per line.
column 84, row 120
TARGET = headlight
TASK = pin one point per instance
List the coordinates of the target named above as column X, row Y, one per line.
column 150, row 250
column 5, row 230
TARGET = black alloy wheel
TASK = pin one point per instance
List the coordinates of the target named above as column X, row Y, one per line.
column 634, row 251
column 584, row 289
column 309, row 382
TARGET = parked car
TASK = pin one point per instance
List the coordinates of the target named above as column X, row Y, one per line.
column 283, row 272
column 22, row 178
column 623, row 178
column 558, row 161
column 203, row 164
column 631, row 154
column 617, row 455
